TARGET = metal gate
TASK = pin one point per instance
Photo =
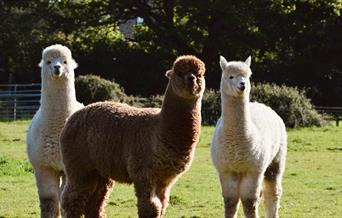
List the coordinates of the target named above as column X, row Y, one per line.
column 19, row 101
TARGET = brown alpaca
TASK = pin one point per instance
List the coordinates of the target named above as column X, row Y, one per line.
column 149, row 147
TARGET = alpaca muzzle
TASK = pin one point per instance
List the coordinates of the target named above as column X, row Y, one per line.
column 242, row 86
column 57, row 71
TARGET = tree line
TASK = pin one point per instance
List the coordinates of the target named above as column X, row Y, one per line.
column 297, row 43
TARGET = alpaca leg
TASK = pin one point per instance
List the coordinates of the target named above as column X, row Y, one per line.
column 230, row 192
column 149, row 205
column 250, row 193
column 62, row 184
column 48, row 182
column 273, row 189
column 75, row 195
column 163, row 193
column 96, row 203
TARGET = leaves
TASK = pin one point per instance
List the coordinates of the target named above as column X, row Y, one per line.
column 293, row 42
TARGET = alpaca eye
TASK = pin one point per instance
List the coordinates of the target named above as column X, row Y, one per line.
column 65, row 62
column 231, row 77
column 48, row 62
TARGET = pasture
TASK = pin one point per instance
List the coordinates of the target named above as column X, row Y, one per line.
column 312, row 181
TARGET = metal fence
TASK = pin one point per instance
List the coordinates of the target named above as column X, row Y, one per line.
column 19, row 101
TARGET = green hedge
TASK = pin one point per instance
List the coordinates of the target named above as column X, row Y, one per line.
column 91, row 88
column 290, row 103
column 211, row 107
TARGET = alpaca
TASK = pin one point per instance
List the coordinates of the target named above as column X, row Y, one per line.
column 58, row 102
column 249, row 145
column 149, row 147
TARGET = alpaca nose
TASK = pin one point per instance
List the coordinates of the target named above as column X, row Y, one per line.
column 191, row 79
column 242, row 86
column 57, row 70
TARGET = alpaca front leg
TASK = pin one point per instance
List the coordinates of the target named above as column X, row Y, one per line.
column 76, row 194
column 72, row 203
column 230, row 190
column 96, row 203
column 163, row 193
column 250, row 189
column 48, row 182
column 149, row 205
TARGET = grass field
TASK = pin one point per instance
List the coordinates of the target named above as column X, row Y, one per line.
column 312, row 183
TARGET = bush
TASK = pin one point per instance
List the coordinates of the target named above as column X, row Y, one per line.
column 91, row 88
column 290, row 103
column 152, row 101
column 211, row 106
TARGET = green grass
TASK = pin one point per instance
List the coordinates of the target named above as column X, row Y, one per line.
column 312, row 182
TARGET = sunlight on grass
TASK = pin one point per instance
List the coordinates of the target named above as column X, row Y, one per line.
column 312, row 181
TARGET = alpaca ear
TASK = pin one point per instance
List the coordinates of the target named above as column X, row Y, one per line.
column 168, row 73
column 223, row 63
column 73, row 64
column 41, row 64
column 248, row 61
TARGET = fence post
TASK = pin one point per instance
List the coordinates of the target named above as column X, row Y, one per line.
column 337, row 118
column 15, row 103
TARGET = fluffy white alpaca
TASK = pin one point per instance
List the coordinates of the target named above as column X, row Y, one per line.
column 58, row 102
column 248, row 147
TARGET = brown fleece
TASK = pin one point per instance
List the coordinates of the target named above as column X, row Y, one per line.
column 149, row 147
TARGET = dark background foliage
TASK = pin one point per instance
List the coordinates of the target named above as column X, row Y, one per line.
column 297, row 43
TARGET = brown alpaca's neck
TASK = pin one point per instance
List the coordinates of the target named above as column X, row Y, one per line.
column 180, row 121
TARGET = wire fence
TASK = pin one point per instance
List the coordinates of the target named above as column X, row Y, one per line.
column 19, row 101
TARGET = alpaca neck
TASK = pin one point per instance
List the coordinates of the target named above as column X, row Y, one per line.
column 58, row 95
column 180, row 121
column 236, row 116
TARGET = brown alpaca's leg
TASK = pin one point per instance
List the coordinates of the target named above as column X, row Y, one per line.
column 163, row 193
column 76, row 194
column 96, row 203
column 48, row 191
column 149, row 205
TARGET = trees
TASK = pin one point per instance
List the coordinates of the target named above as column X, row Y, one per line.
column 292, row 42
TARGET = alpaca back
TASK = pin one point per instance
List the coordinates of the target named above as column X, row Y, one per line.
column 111, row 135
column 269, row 125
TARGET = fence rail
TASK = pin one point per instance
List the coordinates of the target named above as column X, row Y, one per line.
column 19, row 101
column 336, row 112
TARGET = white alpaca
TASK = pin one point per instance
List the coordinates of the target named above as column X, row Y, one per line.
column 58, row 102
column 248, row 147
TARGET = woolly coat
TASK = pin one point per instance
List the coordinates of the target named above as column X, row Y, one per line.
column 58, row 102
column 130, row 144
column 251, row 146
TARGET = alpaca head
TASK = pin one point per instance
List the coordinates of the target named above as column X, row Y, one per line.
column 57, row 62
column 235, row 77
column 187, row 77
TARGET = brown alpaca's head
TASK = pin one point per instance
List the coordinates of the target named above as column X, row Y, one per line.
column 187, row 77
